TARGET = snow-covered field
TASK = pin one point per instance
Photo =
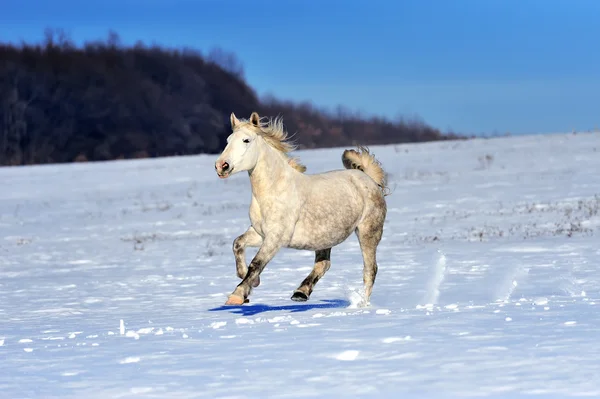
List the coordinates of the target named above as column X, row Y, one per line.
column 488, row 281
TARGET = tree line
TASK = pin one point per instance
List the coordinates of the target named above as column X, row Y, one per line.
column 101, row 101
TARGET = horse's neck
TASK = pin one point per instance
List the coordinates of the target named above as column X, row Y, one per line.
column 270, row 172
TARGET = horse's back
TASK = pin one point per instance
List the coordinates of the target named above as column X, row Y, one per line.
column 351, row 182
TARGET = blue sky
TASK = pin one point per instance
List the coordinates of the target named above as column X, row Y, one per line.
column 473, row 66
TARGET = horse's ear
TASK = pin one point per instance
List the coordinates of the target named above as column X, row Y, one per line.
column 255, row 119
column 234, row 120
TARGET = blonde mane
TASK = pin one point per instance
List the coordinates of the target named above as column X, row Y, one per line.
column 273, row 132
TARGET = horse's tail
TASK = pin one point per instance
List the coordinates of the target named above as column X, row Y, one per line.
column 365, row 161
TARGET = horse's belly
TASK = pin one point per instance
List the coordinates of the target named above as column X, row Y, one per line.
column 304, row 240
column 315, row 234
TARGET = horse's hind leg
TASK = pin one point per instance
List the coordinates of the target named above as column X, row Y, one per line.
column 322, row 264
column 369, row 235
column 249, row 239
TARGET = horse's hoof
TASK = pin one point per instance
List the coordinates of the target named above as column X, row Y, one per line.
column 235, row 300
column 299, row 296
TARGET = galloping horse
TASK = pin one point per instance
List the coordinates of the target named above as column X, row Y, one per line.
column 292, row 209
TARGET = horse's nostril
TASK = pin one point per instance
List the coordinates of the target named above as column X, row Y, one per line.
column 225, row 166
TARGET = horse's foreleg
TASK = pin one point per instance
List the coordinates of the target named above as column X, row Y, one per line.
column 249, row 239
column 322, row 264
column 267, row 251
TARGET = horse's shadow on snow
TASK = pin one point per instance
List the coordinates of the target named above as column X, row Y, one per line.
column 251, row 310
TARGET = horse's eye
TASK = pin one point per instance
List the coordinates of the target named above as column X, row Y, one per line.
column 246, row 140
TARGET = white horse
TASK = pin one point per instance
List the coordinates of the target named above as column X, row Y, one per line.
column 295, row 210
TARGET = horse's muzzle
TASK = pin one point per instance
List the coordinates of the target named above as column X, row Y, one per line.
column 223, row 169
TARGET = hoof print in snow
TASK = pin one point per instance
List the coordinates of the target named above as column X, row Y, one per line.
column 299, row 297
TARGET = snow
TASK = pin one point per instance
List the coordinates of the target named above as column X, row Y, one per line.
column 113, row 276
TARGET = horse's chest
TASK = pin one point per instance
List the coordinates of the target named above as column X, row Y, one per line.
column 256, row 217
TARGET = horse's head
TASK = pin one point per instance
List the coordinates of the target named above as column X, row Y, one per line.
column 241, row 152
